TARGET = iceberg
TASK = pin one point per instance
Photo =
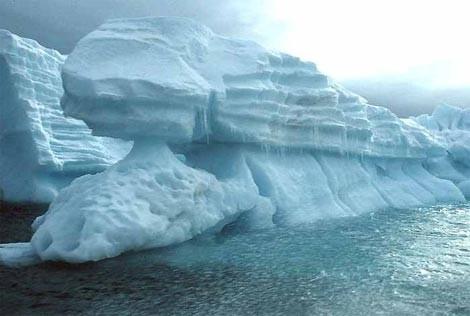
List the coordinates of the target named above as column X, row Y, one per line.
column 41, row 151
column 176, row 81
column 451, row 127
column 225, row 132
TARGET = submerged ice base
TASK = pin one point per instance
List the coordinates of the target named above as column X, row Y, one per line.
column 226, row 132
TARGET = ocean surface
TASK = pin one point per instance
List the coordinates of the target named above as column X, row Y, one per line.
column 397, row 262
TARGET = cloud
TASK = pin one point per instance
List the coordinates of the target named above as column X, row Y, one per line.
column 407, row 98
column 60, row 24
column 407, row 55
column 362, row 38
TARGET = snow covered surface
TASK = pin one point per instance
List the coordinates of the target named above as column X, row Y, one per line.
column 41, row 150
column 228, row 132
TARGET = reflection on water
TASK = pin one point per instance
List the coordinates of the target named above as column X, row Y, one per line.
column 407, row 262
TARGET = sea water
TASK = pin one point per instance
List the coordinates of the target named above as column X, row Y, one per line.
column 395, row 262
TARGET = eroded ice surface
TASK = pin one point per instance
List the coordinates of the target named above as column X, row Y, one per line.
column 175, row 80
column 41, row 150
column 225, row 132
column 150, row 199
column 451, row 127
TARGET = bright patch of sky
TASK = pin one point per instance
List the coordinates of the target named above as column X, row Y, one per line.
column 422, row 40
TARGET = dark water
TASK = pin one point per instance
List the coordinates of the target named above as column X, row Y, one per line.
column 405, row 262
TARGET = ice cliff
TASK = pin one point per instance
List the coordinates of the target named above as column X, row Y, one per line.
column 224, row 131
column 41, row 151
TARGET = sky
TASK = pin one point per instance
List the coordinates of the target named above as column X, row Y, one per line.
column 60, row 24
column 364, row 38
column 418, row 45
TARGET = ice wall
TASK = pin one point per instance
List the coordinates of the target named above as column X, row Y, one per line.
column 41, row 150
column 225, row 132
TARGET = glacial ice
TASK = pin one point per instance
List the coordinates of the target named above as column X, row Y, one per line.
column 226, row 131
column 125, row 214
column 175, row 80
column 451, row 127
column 41, row 151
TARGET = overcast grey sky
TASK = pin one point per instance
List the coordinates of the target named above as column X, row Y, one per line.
column 61, row 23
column 375, row 46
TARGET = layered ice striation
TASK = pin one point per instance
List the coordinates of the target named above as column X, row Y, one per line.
column 224, row 131
column 175, row 80
column 41, row 151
